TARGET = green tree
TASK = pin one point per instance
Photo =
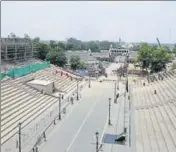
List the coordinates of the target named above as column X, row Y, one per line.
column 153, row 58
column 74, row 44
column 36, row 40
column 144, row 55
column 53, row 44
column 174, row 49
column 42, row 50
column 75, row 62
column 166, row 48
column 82, row 65
column 61, row 46
column 93, row 46
column 57, row 58
column 160, row 58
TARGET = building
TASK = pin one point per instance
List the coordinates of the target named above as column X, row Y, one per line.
column 17, row 49
column 121, row 50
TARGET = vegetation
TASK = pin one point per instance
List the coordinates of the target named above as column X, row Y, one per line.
column 83, row 65
column 57, row 57
column 174, row 49
column 149, row 57
column 153, row 58
column 95, row 46
column 76, row 63
column 42, row 50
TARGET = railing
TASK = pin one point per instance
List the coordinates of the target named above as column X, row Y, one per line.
column 42, row 137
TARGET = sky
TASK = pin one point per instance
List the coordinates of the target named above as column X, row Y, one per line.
column 87, row 20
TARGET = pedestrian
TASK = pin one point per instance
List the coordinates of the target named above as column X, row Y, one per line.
column 44, row 136
column 117, row 95
column 71, row 100
column 155, row 92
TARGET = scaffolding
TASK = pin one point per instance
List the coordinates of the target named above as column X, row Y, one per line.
column 17, row 49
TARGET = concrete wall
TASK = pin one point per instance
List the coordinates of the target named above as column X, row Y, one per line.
column 46, row 88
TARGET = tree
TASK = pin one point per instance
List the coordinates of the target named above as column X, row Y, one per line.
column 74, row 44
column 104, row 45
column 160, row 58
column 82, row 65
column 153, row 58
column 144, row 55
column 12, row 35
column 93, row 46
column 57, row 58
column 36, row 40
column 61, row 46
column 167, row 48
column 53, row 44
column 75, row 62
column 42, row 50
column 174, row 49
column 26, row 36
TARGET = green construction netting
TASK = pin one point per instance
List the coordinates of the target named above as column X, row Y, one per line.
column 19, row 72
column 2, row 76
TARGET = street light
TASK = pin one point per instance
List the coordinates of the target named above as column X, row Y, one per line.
column 59, row 106
column 19, row 125
column 77, row 91
column 97, row 143
column 89, row 80
column 115, row 101
column 127, row 83
column 109, row 122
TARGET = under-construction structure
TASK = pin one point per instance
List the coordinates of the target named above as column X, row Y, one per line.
column 17, row 49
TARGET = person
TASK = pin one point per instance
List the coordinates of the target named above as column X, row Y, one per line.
column 117, row 95
column 71, row 100
column 155, row 92
column 44, row 136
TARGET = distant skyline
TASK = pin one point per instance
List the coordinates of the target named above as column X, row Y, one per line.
column 102, row 20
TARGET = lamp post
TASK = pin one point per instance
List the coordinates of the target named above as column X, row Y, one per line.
column 109, row 122
column 77, row 91
column 59, row 106
column 19, row 125
column 97, row 143
column 89, row 80
column 127, row 84
column 115, row 101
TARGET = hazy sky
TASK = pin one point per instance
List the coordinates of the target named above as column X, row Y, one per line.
column 132, row 21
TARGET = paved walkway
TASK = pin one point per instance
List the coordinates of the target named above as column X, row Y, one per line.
column 76, row 133
column 117, row 127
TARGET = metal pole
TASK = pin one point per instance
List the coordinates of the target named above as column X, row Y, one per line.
column 115, row 93
column 89, row 81
column 19, row 137
column 109, row 122
column 97, row 143
column 77, row 91
column 59, row 106
column 127, row 83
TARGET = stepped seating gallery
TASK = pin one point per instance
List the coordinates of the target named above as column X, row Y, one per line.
column 155, row 113
column 22, row 99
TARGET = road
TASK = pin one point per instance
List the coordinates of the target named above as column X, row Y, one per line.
column 76, row 132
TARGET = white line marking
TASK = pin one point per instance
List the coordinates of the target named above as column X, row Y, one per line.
column 77, row 133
